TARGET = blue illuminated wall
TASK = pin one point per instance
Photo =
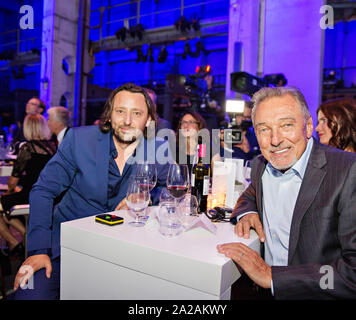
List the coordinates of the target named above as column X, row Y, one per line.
column 15, row 89
column 340, row 48
column 116, row 67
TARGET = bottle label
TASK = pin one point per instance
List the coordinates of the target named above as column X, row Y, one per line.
column 202, row 150
column 206, row 186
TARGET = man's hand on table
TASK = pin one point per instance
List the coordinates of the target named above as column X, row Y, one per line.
column 249, row 260
column 122, row 205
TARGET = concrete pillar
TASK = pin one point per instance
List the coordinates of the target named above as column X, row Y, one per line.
column 294, row 46
column 243, row 39
column 59, row 44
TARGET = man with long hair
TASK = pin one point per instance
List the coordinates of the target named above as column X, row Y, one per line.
column 92, row 167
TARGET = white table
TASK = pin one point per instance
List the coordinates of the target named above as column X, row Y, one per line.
column 123, row 262
column 5, row 171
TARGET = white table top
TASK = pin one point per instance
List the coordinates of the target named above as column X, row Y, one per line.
column 190, row 259
column 5, row 171
column 196, row 243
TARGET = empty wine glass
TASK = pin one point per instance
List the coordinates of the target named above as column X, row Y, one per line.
column 178, row 180
column 137, row 199
column 188, row 207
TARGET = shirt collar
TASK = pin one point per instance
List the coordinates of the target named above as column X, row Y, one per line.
column 299, row 167
column 60, row 135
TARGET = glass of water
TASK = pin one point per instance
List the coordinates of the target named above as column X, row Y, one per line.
column 137, row 199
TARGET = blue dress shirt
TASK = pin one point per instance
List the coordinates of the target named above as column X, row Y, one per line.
column 280, row 192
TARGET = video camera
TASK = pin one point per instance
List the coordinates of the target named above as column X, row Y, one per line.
column 246, row 83
column 196, row 88
column 233, row 134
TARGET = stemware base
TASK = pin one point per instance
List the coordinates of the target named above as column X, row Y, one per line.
column 137, row 224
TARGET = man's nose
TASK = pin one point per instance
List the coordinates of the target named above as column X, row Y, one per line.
column 128, row 118
column 277, row 137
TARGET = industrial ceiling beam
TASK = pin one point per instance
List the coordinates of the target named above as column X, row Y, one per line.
column 163, row 35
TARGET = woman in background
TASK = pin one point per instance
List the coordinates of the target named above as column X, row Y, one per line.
column 31, row 159
column 187, row 137
column 337, row 124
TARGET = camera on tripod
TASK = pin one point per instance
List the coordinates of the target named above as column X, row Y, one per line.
column 234, row 133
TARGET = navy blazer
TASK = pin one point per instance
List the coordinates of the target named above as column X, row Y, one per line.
column 323, row 228
column 80, row 168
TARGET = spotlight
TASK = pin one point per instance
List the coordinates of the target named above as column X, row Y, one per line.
column 121, row 34
column 199, row 47
column 140, row 55
column 195, row 24
column 149, row 54
column 182, row 24
column 162, row 56
column 137, row 30
column 187, row 50
column 18, row 72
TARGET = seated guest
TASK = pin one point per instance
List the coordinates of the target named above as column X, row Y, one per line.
column 92, row 166
column 58, row 122
column 33, row 106
column 337, row 123
column 187, row 138
column 33, row 156
column 301, row 202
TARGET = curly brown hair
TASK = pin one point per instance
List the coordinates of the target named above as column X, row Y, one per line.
column 341, row 116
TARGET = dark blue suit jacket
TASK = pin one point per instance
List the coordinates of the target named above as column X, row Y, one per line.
column 80, row 169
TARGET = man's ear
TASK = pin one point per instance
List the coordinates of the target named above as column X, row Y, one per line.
column 310, row 127
column 148, row 121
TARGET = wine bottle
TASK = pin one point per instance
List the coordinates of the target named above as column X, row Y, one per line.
column 201, row 178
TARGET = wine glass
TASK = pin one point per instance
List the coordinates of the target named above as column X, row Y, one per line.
column 178, row 180
column 146, row 173
column 188, row 207
column 137, row 199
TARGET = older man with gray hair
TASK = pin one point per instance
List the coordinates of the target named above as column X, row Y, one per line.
column 301, row 202
column 58, row 122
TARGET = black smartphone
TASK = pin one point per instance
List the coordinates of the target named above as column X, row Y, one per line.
column 109, row 219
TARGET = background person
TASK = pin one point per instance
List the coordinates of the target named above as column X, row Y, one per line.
column 33, row 156
column 58, row 122
column 187, row 138
column 337, row 124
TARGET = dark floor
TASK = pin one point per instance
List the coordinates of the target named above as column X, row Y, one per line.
column 8, row 267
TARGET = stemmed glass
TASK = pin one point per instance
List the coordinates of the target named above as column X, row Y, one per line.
column 178, row 180
column 146, row 173
column 137, row 199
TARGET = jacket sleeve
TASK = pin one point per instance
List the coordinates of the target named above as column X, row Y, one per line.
column 247, row 201
column 55, row 178
column 336, row 279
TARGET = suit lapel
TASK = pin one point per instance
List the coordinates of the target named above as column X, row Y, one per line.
column 259, row 194
column 313, row 178
column 102, row 166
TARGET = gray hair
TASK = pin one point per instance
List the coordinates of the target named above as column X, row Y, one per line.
column 270, row 92
column 60, row 114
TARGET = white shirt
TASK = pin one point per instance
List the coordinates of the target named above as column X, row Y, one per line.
column 60, row 135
